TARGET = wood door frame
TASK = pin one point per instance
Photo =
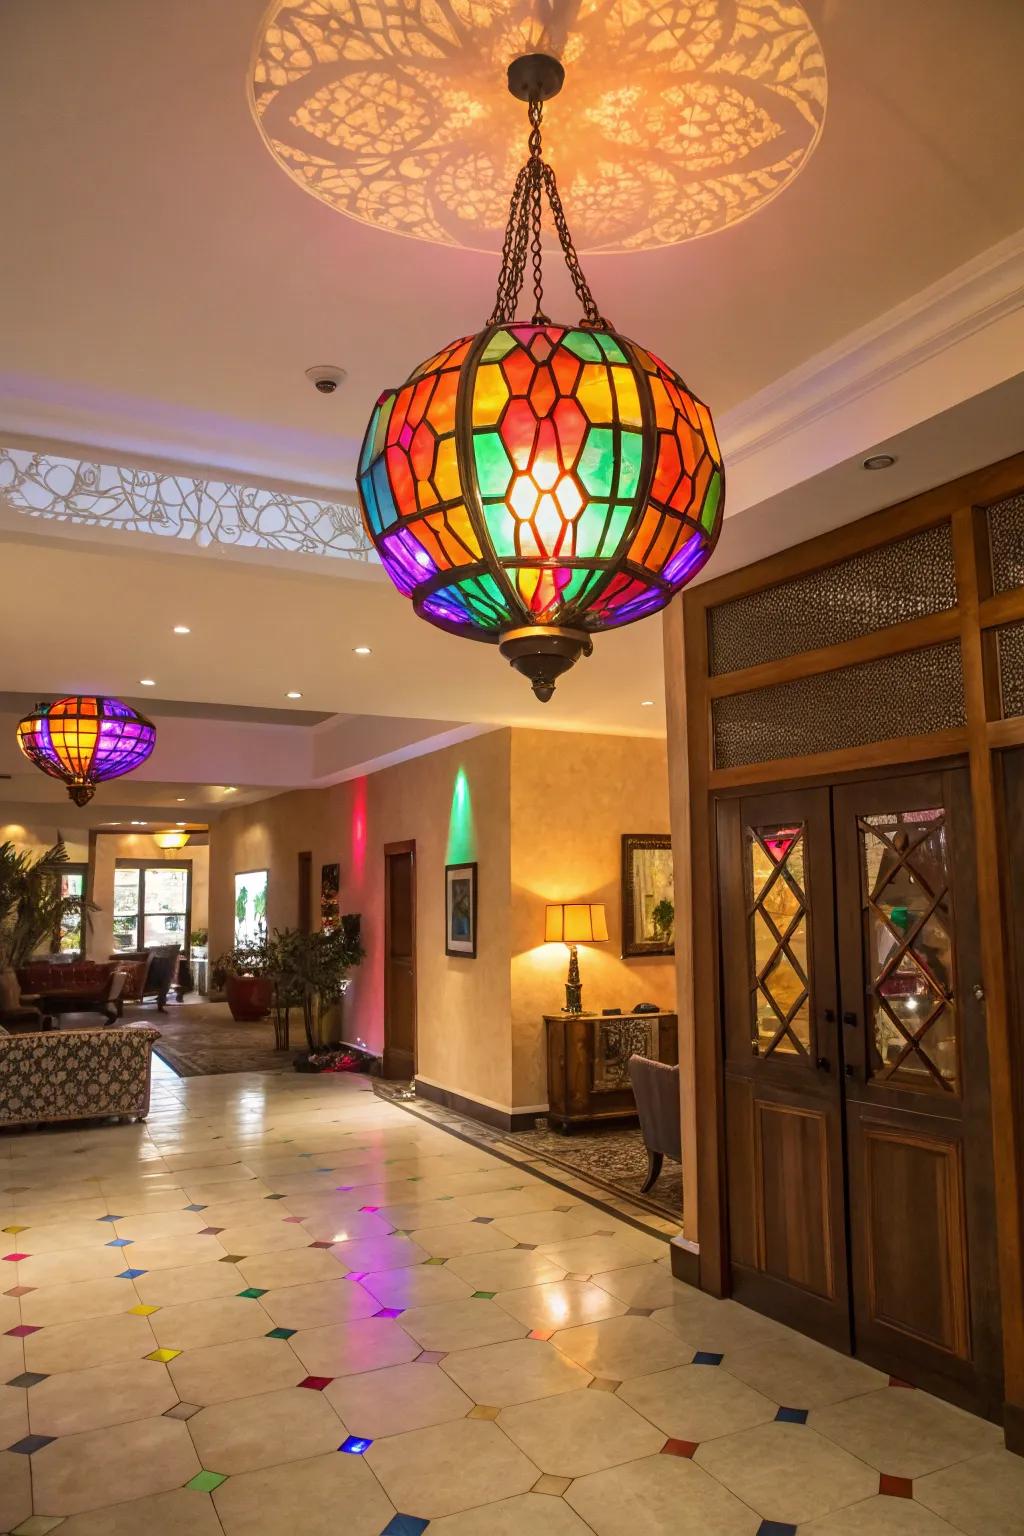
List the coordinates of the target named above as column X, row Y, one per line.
column 391, row 850
column 695, row 779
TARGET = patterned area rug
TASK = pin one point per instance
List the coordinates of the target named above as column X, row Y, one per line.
column 614, row 1157
column 199, row 1039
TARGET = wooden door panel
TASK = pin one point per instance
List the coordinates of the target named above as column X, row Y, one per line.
column 914, row 1184
column 793, row 1199
column 782, row 1100
column 920, row 1163
column 400, row 961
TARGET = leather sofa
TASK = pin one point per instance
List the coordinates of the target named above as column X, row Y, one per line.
column 75, row 1074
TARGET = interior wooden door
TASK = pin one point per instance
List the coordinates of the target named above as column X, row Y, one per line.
column 400, row 960
column 921, row 1193
column 783, row 1113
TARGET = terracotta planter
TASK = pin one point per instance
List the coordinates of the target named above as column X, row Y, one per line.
column 249, row 997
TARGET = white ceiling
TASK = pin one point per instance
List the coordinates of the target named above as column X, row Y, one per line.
column 167, row 284
column 164, row 270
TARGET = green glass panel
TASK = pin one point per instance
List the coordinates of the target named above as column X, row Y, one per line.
column 590, row 527
column 493, row 467
column 494, row 592
column 616, row 529
column 499, row 346
column 583, row 344
column 631, row 454
column 597, row 461
column 370, row 445
column 501, row 528
column 575, row 586
column 714, row 496
column 610, row 347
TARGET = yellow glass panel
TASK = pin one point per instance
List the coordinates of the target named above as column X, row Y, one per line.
column 627, row 396
column 490, row 392
column 594, row 394
column 446, row 470
column 764, row 942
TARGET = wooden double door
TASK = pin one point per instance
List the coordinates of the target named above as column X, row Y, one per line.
column 858, row 1136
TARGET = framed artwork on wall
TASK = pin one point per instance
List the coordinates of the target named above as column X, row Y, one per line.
column 330, row 886
column 250, row 905
column 460, row 910
column 648, row 895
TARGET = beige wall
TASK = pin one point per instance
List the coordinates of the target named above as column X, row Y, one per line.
column 454, row 805
column 572, row 799
column 37, row 837
column 542, row 814
column 132, row 845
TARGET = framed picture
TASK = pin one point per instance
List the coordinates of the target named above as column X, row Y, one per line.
column 460, row 910
column 330, row 885
column 250, row 906
column 648, row 895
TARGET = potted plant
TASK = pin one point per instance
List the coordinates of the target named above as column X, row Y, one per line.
column 197, row 942
column 310, row 971
column 663, row 916
column 31, row 905
column 243, row 973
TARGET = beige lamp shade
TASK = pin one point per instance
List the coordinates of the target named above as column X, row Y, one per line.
column 575, row 922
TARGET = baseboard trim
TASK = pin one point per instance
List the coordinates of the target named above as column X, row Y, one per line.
column 684, row 1257
column 1013, row 1427
column 487, row 1114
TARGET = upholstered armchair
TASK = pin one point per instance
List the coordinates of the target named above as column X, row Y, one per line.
column 656, row 1090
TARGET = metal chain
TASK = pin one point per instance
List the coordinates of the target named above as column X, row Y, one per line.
column 523, row 233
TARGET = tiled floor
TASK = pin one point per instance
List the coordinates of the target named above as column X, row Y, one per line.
column 284, row 1307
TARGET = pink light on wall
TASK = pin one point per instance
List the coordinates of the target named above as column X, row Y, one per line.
column 359, row 831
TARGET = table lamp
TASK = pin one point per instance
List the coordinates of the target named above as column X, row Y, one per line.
column 572, row 923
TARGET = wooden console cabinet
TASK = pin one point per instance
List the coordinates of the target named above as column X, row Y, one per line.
column 588, row 1063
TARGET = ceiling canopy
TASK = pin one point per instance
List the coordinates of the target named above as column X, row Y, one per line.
column 678, row 119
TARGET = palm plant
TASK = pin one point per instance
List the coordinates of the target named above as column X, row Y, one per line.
column 310, row 971
column 31, row 905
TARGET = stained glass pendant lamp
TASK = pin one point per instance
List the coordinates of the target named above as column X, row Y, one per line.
column 85, row 740
column 539, row 482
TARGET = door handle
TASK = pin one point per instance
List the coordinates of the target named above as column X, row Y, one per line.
column 829, row 1015
column 823, row 1064
column 850, row 1020
column 849, row 1070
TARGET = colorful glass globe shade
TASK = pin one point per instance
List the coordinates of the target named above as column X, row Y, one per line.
column 85, row 740
column 541, row 477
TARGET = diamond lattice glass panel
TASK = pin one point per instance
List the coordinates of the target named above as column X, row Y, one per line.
column 905, row 580
column 908, row 930
column 1006, row 539
column 780, row 981
column 1011, row 669
column 911, row 694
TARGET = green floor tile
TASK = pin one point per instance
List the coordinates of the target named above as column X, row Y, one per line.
column 206, row 1482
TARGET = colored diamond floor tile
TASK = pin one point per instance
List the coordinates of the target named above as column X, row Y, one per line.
column 289, row 1305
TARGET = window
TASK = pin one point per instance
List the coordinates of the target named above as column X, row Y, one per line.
column 70, row 938
column 151, row 905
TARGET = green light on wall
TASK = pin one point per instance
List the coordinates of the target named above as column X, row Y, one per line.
column 461, row 832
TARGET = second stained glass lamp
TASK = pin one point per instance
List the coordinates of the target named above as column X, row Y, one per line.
column 85, row 740
column 538, row 482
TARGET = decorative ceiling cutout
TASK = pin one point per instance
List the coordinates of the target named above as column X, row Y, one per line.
column 681, row 117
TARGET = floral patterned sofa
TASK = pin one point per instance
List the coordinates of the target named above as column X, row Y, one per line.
column 75, row 1074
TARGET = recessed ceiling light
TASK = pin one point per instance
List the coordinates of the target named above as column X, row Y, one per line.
column 181, row 799
column 362, row 650
column 646, row 703
column 181, row 823
column 230, row 789
column 148, row 682
column 880, row 461
column 138, row 823
column 293, row 694
column 182, row 629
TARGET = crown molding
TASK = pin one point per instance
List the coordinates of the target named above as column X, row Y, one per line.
column 967, row 301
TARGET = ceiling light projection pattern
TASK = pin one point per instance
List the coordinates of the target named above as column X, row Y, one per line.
column 688, row 115
column 538, row 482
column 85, row 740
